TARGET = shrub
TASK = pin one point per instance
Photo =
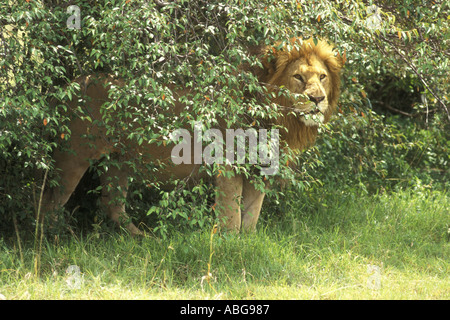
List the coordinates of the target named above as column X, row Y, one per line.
column 201, row 44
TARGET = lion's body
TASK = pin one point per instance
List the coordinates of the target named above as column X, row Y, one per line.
column 311, row 69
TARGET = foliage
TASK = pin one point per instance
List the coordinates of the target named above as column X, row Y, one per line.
column 391, row 51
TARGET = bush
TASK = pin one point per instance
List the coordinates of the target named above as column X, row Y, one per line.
column 201, row 44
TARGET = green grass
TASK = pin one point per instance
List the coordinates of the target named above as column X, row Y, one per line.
column 321, row 248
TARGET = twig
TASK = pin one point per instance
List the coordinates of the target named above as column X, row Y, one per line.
column 396, row 110
column 161, row 4
column 407, row 61
column 411, row 115
column 414, row 69
column 37, row 258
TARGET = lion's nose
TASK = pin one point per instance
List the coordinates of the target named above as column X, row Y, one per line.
column 316, row 100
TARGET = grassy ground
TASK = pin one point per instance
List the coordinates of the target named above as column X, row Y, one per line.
column 339, row 246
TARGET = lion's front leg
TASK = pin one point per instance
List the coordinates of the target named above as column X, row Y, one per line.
column 252, row 200
column 114, row 193
column 228, row 201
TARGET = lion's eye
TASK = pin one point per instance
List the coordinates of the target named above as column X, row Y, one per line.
column 298, row 77
column 323, row 76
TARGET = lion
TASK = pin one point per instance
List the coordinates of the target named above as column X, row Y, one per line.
column 309, row 69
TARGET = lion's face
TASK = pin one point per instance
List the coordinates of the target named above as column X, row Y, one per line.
column 310, row 71
column 310, row 79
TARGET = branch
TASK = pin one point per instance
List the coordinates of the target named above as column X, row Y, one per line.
column 387, row 106
column 407, row 61
column 419, row 75
column 410, row 115
column 161, row 4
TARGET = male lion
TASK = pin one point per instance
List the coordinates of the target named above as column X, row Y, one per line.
column 307, row 68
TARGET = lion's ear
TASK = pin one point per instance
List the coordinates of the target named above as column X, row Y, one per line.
column 274, row 61
column 269, row 61
column 342, row 58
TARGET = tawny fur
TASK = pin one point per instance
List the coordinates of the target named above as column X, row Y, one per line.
column 239, row 202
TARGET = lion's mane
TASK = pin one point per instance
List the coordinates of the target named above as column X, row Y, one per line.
column 274, row 60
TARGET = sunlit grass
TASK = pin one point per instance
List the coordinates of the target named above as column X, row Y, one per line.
column 327, row 250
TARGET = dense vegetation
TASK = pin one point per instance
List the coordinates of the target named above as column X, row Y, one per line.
column 390, row 134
